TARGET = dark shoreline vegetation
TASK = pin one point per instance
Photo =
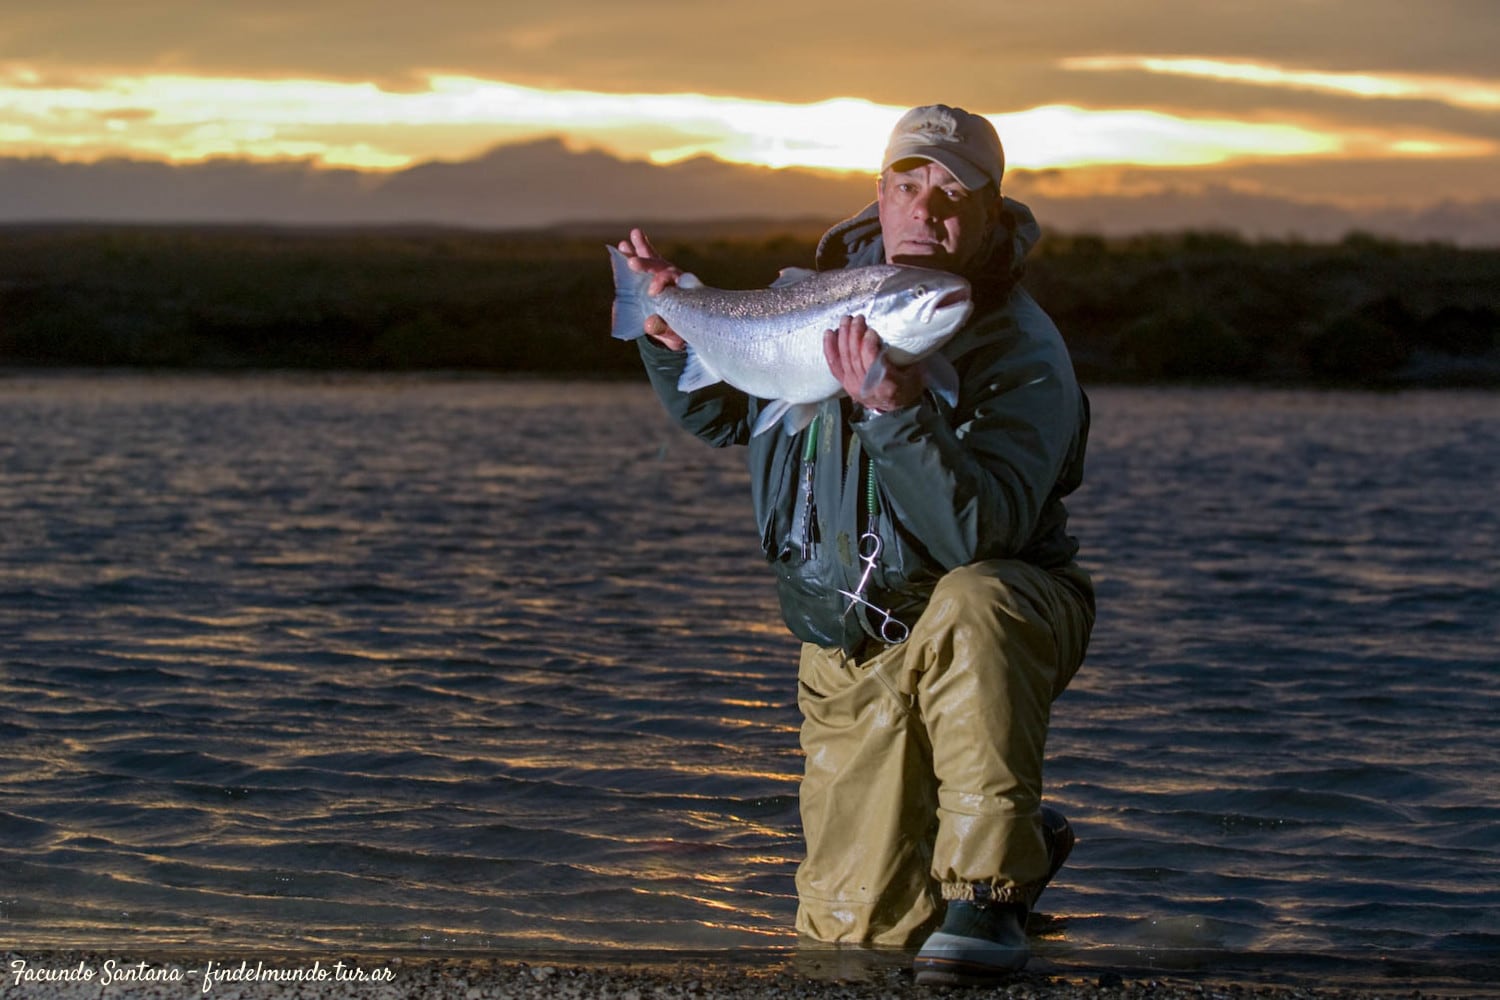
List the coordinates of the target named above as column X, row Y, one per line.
column 1197, row 306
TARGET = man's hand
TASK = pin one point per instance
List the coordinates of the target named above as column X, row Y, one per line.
column 851, row 350
column 642, row 256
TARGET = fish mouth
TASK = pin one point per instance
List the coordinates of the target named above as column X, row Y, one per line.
column 958, row 297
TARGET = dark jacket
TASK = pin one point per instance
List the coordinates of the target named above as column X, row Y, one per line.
column 984, row 480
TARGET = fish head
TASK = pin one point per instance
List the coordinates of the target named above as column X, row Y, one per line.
column 916, row 309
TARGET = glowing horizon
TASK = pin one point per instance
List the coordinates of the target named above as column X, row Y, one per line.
column 183, row 119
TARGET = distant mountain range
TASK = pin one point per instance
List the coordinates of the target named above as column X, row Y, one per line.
column 544, row 183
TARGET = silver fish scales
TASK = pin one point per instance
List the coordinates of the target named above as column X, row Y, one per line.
column 769, row 342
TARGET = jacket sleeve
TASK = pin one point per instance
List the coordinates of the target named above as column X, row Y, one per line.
column 976, row 484
column 719, row 414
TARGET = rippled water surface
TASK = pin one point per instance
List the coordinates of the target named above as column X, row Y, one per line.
column 481, row 664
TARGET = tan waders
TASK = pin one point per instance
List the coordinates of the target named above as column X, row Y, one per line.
column 924, row 760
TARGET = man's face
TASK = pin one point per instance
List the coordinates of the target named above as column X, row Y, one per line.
column 929, row 219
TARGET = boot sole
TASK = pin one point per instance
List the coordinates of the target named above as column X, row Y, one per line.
column 940, row 973
column 957, row 960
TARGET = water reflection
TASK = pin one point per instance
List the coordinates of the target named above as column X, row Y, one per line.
column 453, row 664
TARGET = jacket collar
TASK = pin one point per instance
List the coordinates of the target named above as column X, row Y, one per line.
column 856, row 242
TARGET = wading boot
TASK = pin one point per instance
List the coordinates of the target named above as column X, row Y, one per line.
column 1057, row 833
column 982, row 941
column 978, row 944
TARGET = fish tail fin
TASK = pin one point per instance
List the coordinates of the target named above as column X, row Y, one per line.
column 628, row 317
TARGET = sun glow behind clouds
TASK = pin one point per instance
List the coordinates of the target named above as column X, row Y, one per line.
column 1477, row 95
column 188, row 118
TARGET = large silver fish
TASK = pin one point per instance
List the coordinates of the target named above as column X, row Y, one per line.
column 769, row 343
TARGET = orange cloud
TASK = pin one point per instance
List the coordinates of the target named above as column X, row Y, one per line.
column 185, row 118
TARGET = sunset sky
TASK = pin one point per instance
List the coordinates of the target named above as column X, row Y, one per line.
column 1367, row 102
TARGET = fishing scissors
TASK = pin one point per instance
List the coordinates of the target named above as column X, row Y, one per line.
column 892, row 629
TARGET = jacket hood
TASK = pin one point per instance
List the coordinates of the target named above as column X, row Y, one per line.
column 856, row 242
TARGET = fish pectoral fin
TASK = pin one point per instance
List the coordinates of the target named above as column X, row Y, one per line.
column 939, row 375
column 697, row 374
column 878, row 369
column 793, row 417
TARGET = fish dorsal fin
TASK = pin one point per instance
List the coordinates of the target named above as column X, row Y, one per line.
column 792, row 275
column 697, row 374
column 690, row 281
column 793, row 417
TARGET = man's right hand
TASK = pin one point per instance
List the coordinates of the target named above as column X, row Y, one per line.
column 642, row 256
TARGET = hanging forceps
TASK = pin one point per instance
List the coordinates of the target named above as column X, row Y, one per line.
column 892, row 629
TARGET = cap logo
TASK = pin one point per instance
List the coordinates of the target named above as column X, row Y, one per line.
column 940, row 126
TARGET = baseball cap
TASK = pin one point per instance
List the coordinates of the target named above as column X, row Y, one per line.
column 964, row 143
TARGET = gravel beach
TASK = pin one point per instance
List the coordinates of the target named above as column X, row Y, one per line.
column 59, row 974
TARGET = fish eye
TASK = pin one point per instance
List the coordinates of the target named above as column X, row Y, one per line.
column 919, row 291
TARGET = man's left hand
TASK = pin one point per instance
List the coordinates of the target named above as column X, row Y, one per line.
column 851, row 350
